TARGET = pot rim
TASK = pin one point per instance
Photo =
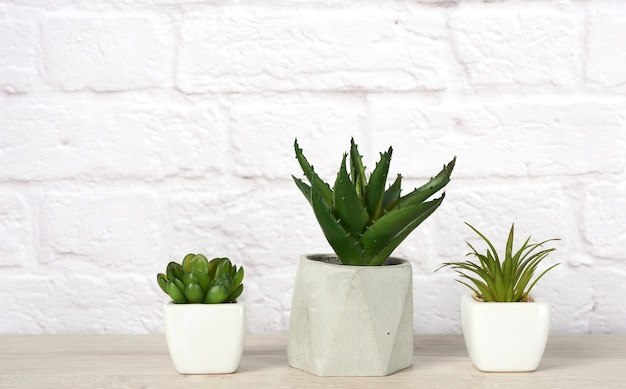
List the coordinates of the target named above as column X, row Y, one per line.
column 209, row 306
column 319, row 258
column 472, row 300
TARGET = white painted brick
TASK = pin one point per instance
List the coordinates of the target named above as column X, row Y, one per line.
column 608, row 304
column 259, row 226
column 604, row 219
column 269, row 300
column 263, row 132
column 334, row 50
column 568, row 314
column 22, row 310
column 436, row 300
column 111, row 140
column 527, row 45
column 134, row 132
column 116, row 231
column 105, row 54
column 508, row 139
column 81, row 303
column 17, row 57
column 16, row 233
column 542, row 210
column 606, row 45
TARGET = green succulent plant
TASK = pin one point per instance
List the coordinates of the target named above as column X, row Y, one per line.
column 362, row 221
column 507, row 280
column 197, row 280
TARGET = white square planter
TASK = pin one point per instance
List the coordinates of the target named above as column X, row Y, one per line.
column 351, row 320
column 505, row 337
column 205, row 338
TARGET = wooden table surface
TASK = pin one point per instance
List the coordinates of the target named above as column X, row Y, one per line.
column 142, row 361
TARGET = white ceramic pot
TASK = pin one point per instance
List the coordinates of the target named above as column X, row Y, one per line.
column 205, row 338
column 351, row 320
column 505, row 337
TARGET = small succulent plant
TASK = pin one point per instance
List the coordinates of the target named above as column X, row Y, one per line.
column 508, row 280
column 362, row 221
column 197, row 280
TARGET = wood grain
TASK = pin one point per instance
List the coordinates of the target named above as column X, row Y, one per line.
column 142, row 361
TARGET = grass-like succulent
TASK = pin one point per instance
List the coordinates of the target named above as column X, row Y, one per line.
column 198, row 280
column 362, row 221
column 509, row 279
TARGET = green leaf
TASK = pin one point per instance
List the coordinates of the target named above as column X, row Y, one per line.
column 238, row 277
column 381, row 243
column 235, row 294
column 310, row 174
column 357, row 170
column 507, row 264
column 506, row 281
column 179, row 283
column 392, row 194
column 223, row 267
column 162, row 281
column 186, row 264
column 176, row 293
column 199, row 263
column 347, row 205
column 493, row 249
column 219, row 289
column 485, row 292
column 375, row 190
column 174, row 270
column 430, row 188
column 344, row 244
column 304, row 188
column 189, row 278
column 216, row 294
column 204, row 279
column 218, row 266
column 390, row 225
column 527, row 292
column 194, row 293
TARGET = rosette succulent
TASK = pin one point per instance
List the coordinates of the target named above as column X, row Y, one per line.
column 198, row 280
column 362, row 221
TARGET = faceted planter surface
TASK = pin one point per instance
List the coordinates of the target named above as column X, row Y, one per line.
column 505, row 337
column 205, row 338
column 351, row 320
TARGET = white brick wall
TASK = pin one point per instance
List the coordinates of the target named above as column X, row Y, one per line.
column 134, row 132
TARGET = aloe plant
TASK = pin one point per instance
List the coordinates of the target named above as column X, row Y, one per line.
column 362, row 221
column 198, row 280
column 506, row 280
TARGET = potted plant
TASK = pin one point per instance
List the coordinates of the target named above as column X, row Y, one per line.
column 352, row 311
column 504, row 327
column 205, row 325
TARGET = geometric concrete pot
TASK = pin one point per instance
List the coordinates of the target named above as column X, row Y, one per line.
column 505, row 337
column 205, row 338
column 351, row 320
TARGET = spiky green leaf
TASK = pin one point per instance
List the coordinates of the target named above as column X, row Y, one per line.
column 347, row 206
column 385, row 250
column 375, row 190
column 344, row 244
column 357, row 170
column 309, row 173
column 430, row 188
column 392, row 194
